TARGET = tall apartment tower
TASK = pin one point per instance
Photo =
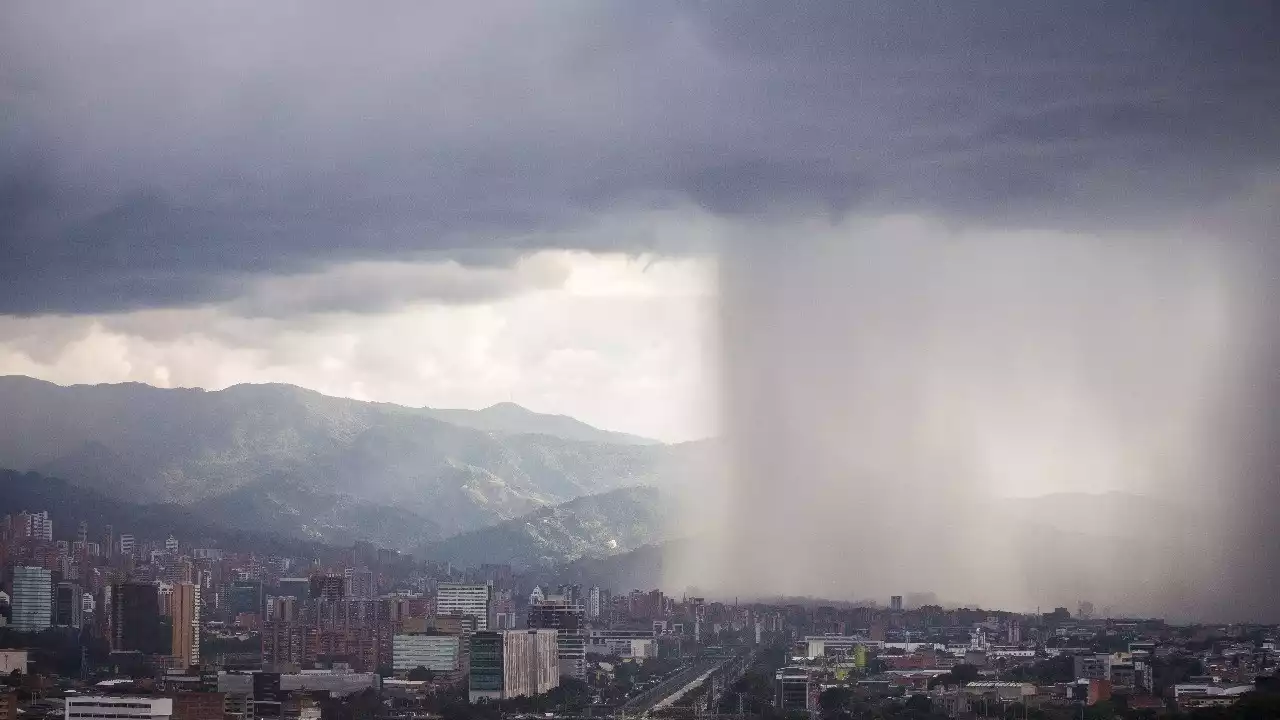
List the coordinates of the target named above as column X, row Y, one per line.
column 464, row 599
column 41, row 526
column 895, row 603
column 593, row 603
column 32, row 601
column 185, row 606
column 359, row 584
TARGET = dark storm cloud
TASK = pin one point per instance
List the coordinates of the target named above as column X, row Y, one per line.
column 151, row 151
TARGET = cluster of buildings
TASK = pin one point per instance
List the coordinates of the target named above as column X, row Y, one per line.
column 239, row 635
column 966, row 663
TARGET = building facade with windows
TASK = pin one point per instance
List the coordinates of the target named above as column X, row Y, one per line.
column 118, row 708
column 32, row 602
column 465, row 599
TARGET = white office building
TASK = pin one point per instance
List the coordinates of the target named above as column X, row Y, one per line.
column 464, row 599
column 32, row 603
column 118, row 708
column 438, row 653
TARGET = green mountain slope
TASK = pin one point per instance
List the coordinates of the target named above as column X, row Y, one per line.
column 591, row 526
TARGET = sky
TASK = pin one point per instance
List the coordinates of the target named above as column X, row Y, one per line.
column 1034, row 242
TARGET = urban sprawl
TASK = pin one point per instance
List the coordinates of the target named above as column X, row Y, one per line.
column 103, row 624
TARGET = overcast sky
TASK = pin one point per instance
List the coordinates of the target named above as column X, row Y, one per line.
column 455, row 204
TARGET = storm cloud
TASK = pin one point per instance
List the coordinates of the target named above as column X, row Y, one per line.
column 966, row 250
column 152, row 151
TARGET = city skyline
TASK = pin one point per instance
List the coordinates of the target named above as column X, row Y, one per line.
column 971, row 299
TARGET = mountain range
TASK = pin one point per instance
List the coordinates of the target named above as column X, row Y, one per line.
column 327, row 469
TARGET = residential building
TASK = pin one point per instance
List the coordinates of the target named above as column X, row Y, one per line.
column 185, row 612
column 32, row 599
column 464, row 599
column 328, row 588
column 595, row 602
column 98, row 707
column 895, row 603
column 359, row 584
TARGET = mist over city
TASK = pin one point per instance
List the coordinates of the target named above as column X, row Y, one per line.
column 662, row 359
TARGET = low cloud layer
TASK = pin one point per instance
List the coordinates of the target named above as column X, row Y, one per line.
column 617, row 342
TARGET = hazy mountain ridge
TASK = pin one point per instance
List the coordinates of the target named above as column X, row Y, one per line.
column 412, row 476
column 590, row 526
column 508, row 418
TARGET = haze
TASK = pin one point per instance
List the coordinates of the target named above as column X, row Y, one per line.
column 962, row 254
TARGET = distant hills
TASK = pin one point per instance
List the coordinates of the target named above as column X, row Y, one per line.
column 321, row 468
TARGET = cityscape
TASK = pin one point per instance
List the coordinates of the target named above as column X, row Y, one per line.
column 640, row 360
column 102, row 618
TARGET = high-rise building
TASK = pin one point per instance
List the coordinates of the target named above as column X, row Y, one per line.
column 283, row 609
column 329, row 588
column 135, row 618
column 32, row 600
column 512, row 663
column 127, row 545
column 245, row 596
column 594, row 604
column 294, row 587
column 68, row 604
column 359, row 584
column 41, row 526
column 895, row 603
column 185, row 610
column 463, row 599
column 171, row 544
column 568, row 619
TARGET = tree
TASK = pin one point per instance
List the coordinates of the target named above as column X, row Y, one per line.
column 421, row 674
column 963, row 673
column 835, row 699
column 920, row 703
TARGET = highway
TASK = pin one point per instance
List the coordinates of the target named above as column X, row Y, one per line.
column 687, row 680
